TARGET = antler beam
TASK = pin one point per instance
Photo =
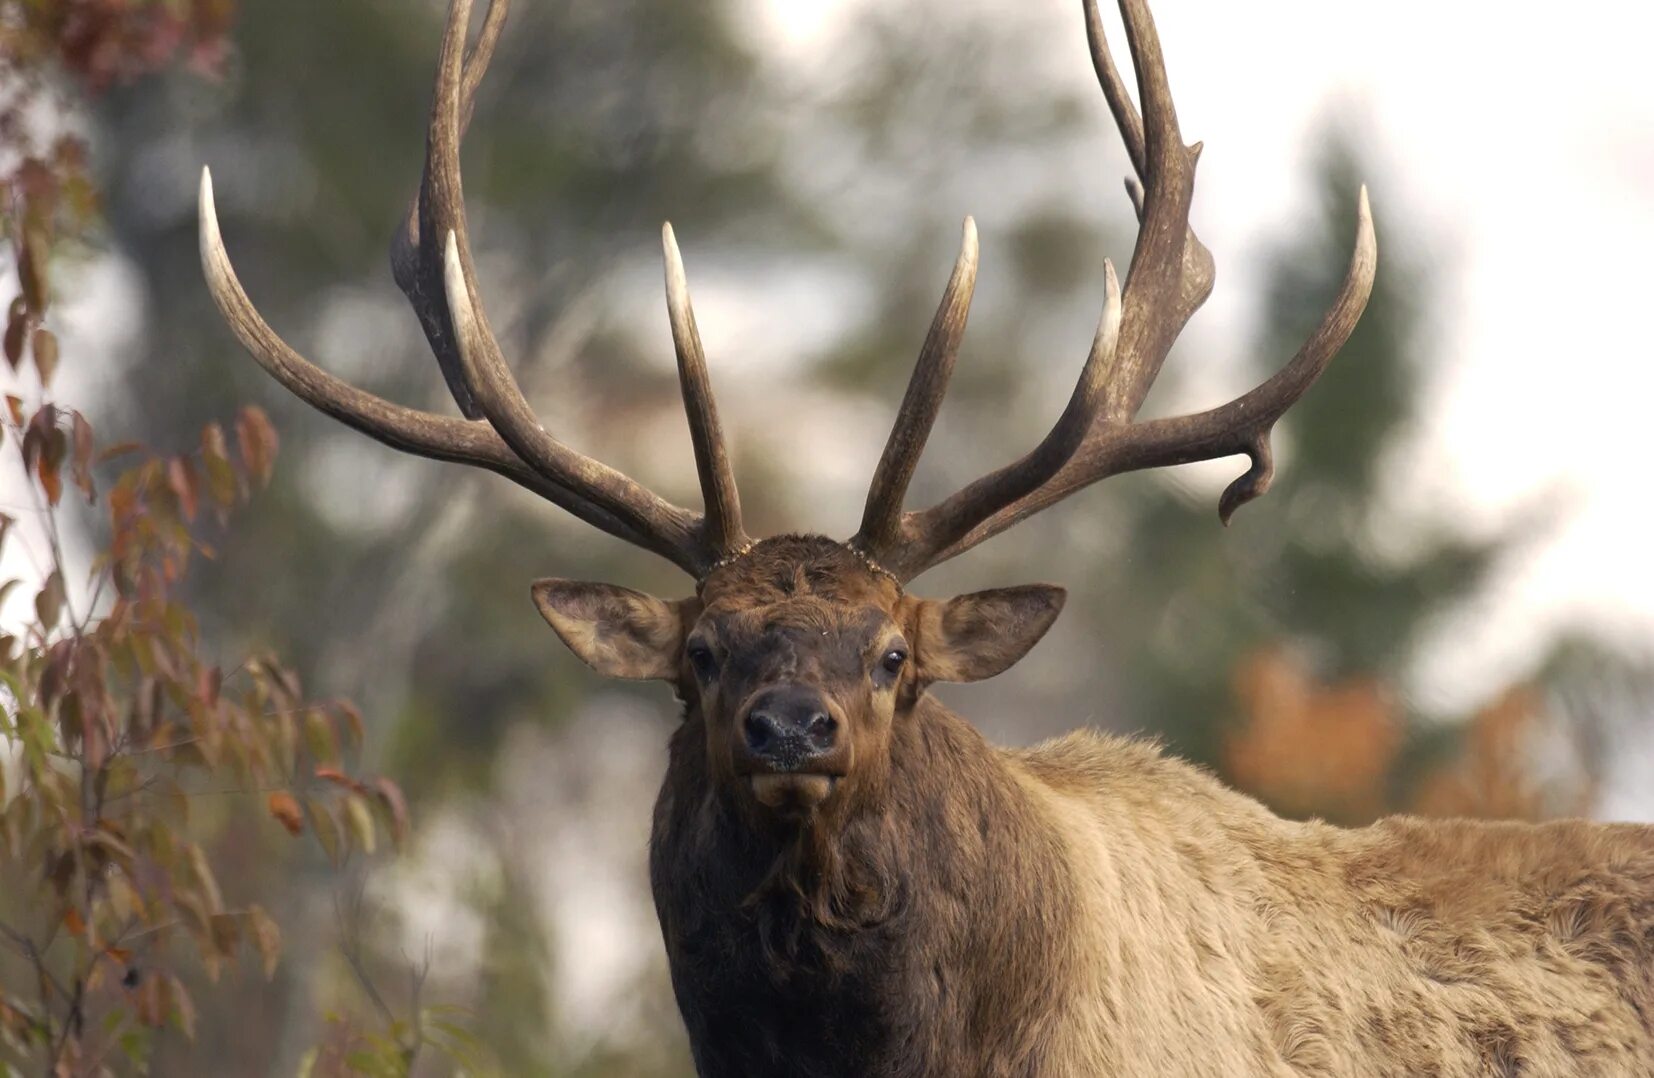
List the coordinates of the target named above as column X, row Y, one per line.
column 432, row 264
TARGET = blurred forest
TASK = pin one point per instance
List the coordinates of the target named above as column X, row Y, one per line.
column 1282, row 652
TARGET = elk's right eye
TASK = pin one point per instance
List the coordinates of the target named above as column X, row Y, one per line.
column 703, row 662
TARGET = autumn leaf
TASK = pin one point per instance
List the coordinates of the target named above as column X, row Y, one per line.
column 286, row 810
column 82, row 456
column 17, row 326
column 257, row 440
column 359, row 818
column 226, row 933
column 215, row 457
column 339, row 778
column 31, row 269
column 44, row 347
column 266, row 937
column 395, row 806
column 181, row 478
column 48, row 605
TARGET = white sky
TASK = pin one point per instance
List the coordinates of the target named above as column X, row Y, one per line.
column 1523, row 151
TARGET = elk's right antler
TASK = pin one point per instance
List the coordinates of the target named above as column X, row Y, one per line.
column 1098, row 435
column 431, row 260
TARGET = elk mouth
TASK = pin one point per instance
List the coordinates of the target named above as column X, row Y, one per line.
column 792, row 792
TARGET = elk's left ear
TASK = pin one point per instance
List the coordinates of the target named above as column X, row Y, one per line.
column 976, row 636
column 616, row 631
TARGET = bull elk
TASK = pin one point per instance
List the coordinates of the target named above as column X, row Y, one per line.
column 850, row 880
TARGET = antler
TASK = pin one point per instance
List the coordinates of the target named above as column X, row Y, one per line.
column 431, row 261
column 1098, row 436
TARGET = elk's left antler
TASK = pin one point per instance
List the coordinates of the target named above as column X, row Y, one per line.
column 1098, row 434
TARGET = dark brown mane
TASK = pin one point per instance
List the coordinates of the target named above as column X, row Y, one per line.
column 783, row 941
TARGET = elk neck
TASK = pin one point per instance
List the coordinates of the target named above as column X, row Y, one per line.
column 900, row 919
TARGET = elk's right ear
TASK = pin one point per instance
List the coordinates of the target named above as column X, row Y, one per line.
column 616, row 631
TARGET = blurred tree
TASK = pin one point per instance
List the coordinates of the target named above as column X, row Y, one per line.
column 125, row 731
column 1282, row 653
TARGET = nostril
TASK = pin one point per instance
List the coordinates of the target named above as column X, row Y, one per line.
column 822, row 726
column 760, row 728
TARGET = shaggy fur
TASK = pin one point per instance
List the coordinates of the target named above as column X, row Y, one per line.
column 1087, row 906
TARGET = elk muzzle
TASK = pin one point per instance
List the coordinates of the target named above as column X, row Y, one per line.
column 791, row 747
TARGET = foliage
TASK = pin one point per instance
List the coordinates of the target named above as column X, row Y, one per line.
column 123, row 734
column 118, row 717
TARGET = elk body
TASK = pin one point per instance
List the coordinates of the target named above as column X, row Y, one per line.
column 852, row 881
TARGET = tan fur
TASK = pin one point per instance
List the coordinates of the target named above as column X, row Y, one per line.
column 1219, row 939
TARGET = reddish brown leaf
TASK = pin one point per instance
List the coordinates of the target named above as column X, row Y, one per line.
column 48, row 605
column 286, row 810
column 266, row 936
column 31, row 268
column 353, row 719
column 44, row 347
column 150, row 998
column 226, row 933
column 81, row 455
column 17, row 328
column 258, row 441
column 14, row 404
column 183, row 1008
column 74, row 923
column 339, row 778
column 208, row 681
column 395, row 806
column 181, row 478
column 119, row 449
column 215, row 458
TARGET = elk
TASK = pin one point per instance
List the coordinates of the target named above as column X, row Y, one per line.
column 851, row 880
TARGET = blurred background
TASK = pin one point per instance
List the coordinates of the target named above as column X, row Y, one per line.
column 1444, row 605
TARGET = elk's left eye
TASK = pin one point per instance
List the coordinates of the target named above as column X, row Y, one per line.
column 891, row 662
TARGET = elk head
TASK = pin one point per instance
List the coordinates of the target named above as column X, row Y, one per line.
column 801, row 655
column 797, row 659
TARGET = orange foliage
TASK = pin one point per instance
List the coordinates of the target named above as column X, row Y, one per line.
column 1314, row 749
column 1308, row 748
column 1493, row 777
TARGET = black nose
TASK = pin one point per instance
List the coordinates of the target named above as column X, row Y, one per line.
column 789, row 727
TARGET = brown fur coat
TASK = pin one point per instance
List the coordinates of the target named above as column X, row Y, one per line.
column 1091, row 907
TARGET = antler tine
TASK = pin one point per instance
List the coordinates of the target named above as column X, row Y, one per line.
column 723, row 502
column 417, row 265
column 881, row 522
column 936, row 529
column 1171, row 271
column 1241, row 426
column 407, row 429
column 482, row 366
